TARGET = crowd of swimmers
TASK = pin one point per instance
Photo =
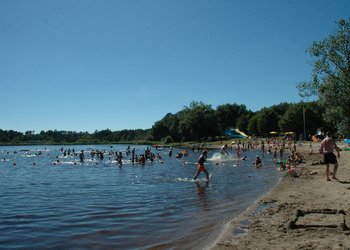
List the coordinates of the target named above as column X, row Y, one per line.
column 113, row 156
column 273, row 146
column 130, row 155
column 277, row 148
column 119, row 157
column 283, row 151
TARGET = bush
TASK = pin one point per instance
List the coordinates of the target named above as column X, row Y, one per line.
column 168, row 139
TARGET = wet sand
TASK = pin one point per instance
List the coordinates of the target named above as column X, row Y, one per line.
column 307, row 212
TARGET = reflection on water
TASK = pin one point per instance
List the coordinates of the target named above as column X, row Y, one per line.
column 201, row 189
column 99, row 204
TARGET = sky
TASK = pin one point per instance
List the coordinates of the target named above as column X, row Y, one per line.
column 87, row 65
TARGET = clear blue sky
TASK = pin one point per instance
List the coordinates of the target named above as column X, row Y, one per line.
column 88, row 65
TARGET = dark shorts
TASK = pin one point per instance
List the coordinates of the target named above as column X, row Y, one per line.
column 330, row 158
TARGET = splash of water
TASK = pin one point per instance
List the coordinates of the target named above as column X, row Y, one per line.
column 218, row 157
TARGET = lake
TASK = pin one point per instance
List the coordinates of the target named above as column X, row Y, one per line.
column 98, row 204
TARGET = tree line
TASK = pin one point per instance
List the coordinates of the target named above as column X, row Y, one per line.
column 200, row 121
column 196, row 122
column 72, row 137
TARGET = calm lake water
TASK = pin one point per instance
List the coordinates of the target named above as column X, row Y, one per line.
column 99, row 205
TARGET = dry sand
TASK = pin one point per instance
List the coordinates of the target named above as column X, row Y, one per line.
column 307, row 212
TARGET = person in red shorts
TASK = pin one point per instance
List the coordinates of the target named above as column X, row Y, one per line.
column 327, row 148
column 202, row 158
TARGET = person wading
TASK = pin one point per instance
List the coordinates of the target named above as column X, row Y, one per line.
column 202, row 158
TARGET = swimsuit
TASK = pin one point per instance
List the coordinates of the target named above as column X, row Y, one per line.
column 330, row 158
column 201, row 167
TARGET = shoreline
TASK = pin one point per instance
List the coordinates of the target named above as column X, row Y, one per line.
column 319, row 208
column 242, row 220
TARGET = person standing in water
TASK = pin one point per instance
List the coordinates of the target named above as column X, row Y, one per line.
column 223, row 150
column 81, row 156
column 170, row 152
column 200, row 168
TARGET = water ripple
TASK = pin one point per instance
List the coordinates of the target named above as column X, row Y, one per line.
column 97, row 205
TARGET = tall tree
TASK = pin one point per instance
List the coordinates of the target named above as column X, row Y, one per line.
column 228, row 114
column 243, row 121
column 293, row 118
column 267, row 121
column 167, row 126
column 331, row 75
column 253, row 125
column 160, row 128
column 197, row 121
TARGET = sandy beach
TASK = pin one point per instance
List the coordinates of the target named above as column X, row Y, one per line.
column 307, row 212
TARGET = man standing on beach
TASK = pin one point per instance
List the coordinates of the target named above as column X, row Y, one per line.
column 327, row 148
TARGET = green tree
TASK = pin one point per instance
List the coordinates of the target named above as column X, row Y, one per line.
column 331, row 76
column 243, row 121
column 85, row 137
column 167, row 126
column 3, row 136
column 29, row 135
column 197, row 121
column 293, row 119
column 253, row 125
column 167, row 139
column 104, row 135
column 281, row 108
column 228, row 115
column 267, row 121
column 14, row 136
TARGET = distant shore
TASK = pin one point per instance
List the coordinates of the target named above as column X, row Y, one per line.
column 307, row 212
column 75, row 143
column 211, row 145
